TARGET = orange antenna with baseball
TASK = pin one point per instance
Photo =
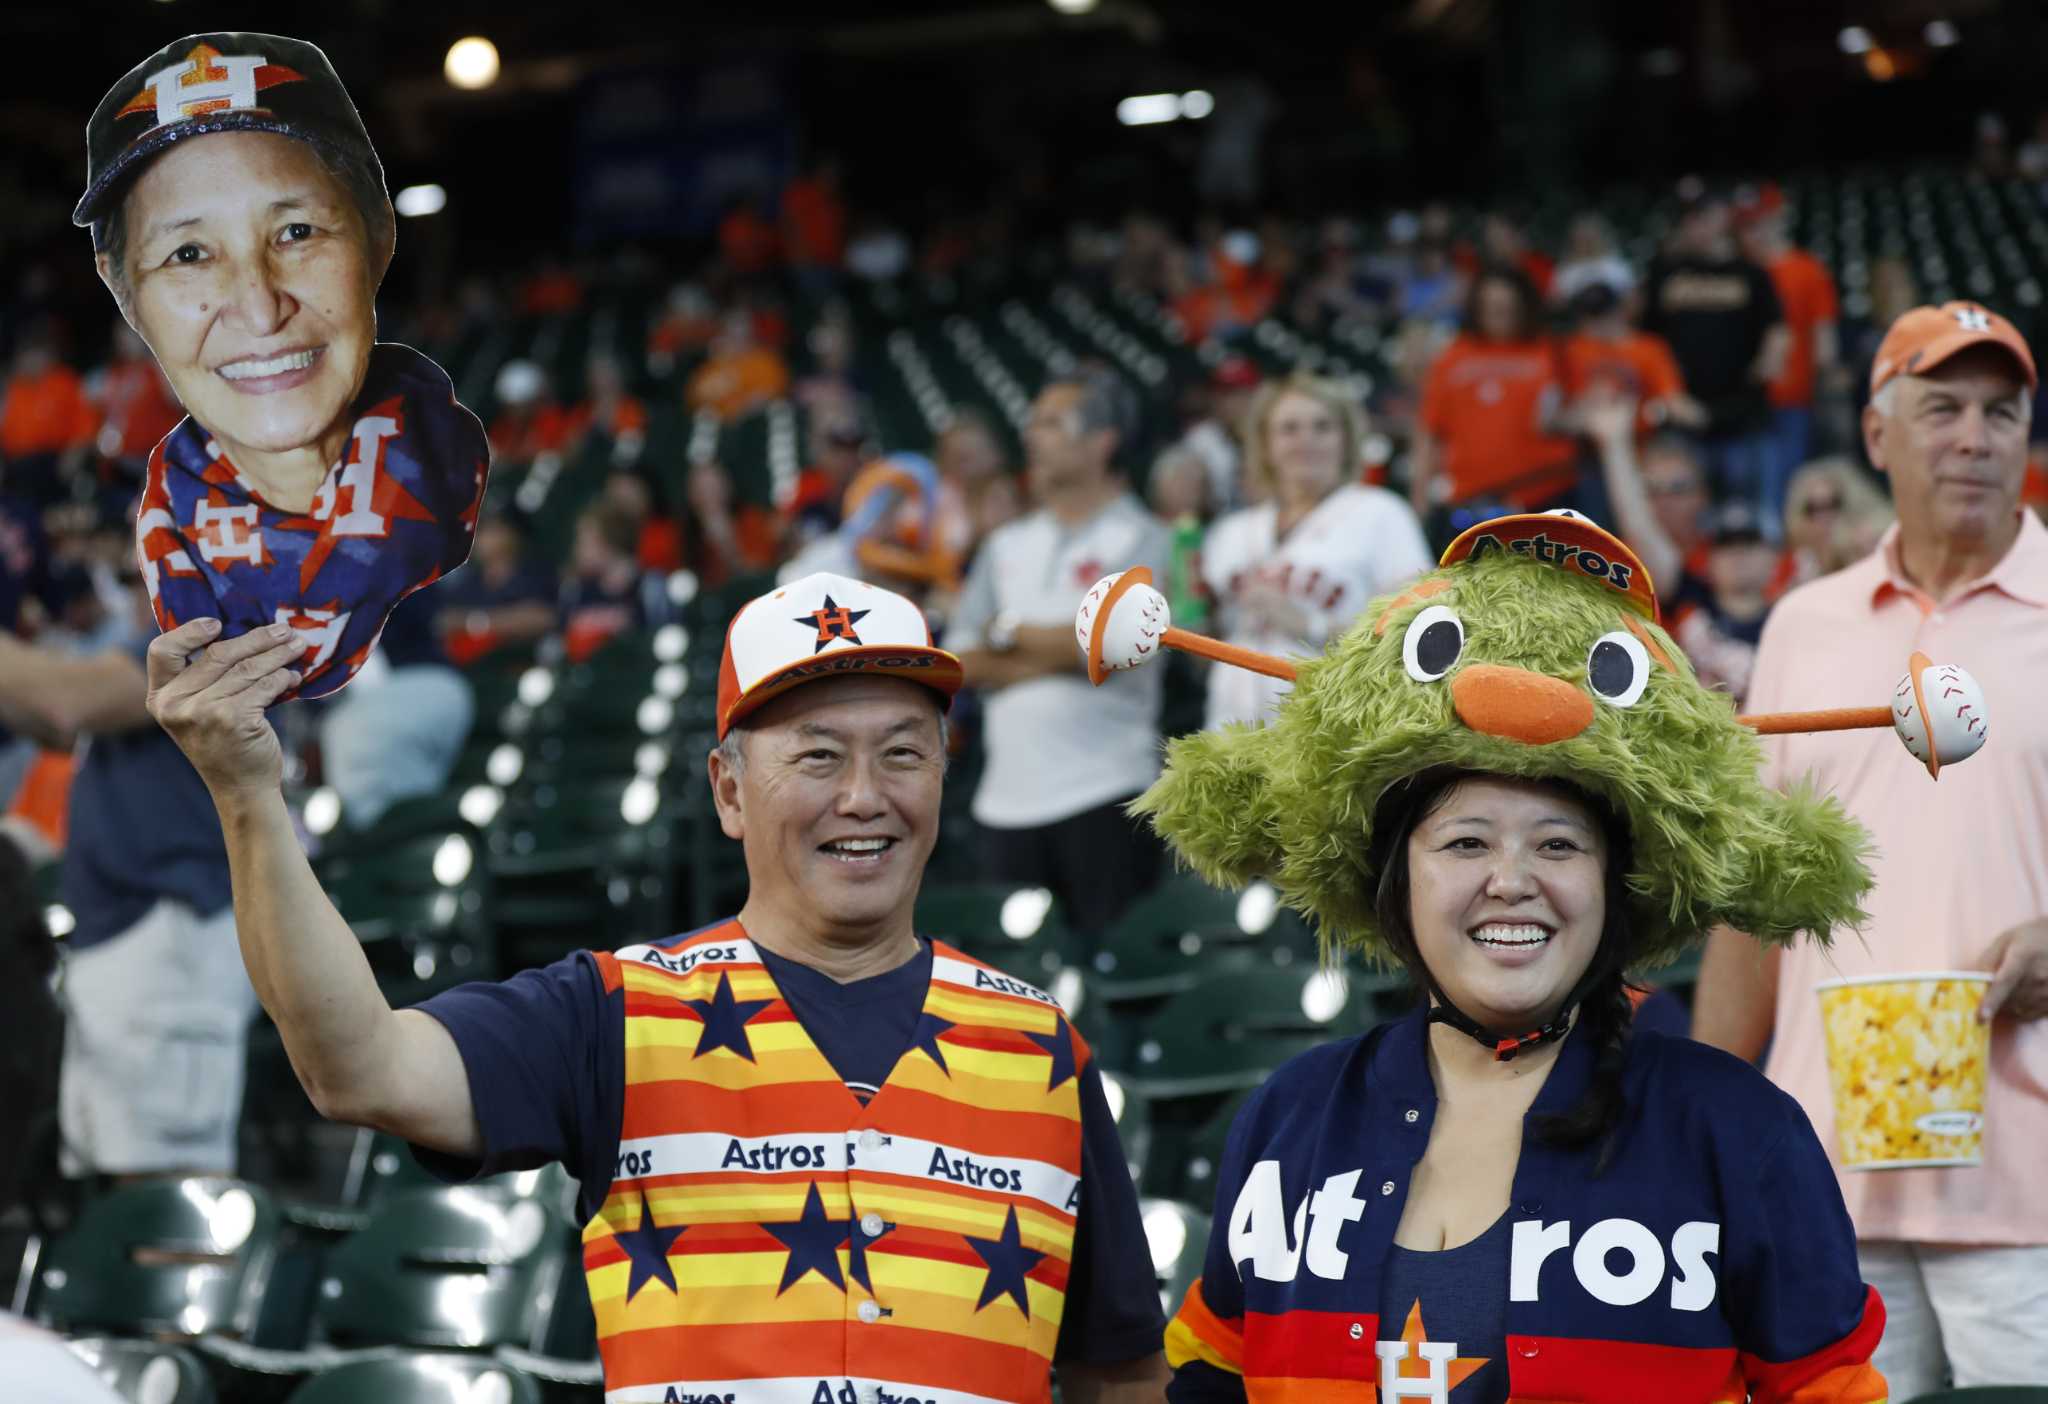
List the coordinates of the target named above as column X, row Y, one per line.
column 1124, row 622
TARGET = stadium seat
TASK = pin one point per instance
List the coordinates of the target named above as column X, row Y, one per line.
column 168, row 1257
column 420, row 904
column 1231, row 1030
column 405, row 1378
column 1184, row 930
column 1188, row 1136
column 458, row 1268
column 1178, row 1235
column 1016, row 928
column 443, row 1269
column 146, row 1372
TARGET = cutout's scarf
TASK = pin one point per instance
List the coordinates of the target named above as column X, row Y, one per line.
column 398, row 512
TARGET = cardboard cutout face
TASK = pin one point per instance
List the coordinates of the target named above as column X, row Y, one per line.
column 239, row 213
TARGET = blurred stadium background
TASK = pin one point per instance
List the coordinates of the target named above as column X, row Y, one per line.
column 697, row 256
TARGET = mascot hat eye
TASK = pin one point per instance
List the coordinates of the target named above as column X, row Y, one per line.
column 1434, row 640
column 1618, row 668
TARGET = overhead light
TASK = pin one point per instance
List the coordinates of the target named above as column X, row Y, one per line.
column 1940, row 34
column 1196, row 105
column 472, row 63
column 1880, row 66
column 1855, row 40
column 417, row 200
column 1072, row 7
column 1149, row 108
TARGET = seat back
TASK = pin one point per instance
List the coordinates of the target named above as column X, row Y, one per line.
column 1178, row 1236
column 468, row 1268
column 405, row 1378
column 182, row 1257
column 146, row 1372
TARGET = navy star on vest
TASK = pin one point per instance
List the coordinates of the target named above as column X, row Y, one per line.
column 725, row 1020
column 1008, row 1260
column 813, row 1242
column 648, row 1248
column 396, row 513
column 1060, row 1044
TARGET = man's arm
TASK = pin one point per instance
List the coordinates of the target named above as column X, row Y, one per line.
column 359, row 1060
column 1610, row 422
column 54, row 699
column 1735, row 1004
column 1141, row 1381
column 1770, row 357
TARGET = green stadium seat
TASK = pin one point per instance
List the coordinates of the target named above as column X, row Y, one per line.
column 449, row 1268
column 146, row 1372
column 1014, row 927
column 1178, row 1235
column 169, row 1257
column 1184, row 930
column 421, row 903
column 406, row 1378
column 1231, row 1030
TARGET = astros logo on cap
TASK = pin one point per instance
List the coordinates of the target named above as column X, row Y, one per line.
column 207, row 81
column 1569, row 541
column 843, row 626
column 834, row 622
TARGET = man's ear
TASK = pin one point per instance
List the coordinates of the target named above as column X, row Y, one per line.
column 1873, row 437
column 103, row 264
column 725, row 794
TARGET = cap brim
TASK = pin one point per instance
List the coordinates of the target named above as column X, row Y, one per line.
column 1638, row 591
column 1954, row 344
column 928, row 667
column 93, row 203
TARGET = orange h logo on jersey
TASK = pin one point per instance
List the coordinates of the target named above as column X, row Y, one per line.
column 834, row 621
column 207, row 81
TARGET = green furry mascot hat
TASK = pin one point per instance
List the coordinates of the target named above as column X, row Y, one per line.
column 1531, row 652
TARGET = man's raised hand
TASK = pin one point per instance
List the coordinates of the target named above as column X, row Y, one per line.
column 210, row 695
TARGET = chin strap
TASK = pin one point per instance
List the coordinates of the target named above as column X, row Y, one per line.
column 1503, row 1048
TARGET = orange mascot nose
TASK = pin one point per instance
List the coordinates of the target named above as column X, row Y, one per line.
column 1519, row 705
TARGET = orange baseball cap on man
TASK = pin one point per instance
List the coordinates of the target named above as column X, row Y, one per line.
column 1923, row 338
column 826, row 626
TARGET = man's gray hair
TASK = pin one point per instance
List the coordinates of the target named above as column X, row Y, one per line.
column 735, row 754
column 1107, row 402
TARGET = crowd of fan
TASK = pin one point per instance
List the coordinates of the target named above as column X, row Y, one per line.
column 1700, row 399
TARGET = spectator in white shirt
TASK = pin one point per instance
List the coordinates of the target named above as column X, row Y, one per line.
column 1290, row 574
column 1063, row 758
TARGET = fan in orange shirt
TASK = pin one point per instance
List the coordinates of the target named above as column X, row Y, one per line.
column 1607, row 355
column 1811, row 309
column 46, row 422
column 741, row 374
column 1488, row 406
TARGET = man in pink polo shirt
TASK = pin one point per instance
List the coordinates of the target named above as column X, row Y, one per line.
column 1960, row 1255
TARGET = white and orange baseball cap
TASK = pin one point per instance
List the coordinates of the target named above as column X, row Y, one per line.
column 826, row 626
column 1923, row 338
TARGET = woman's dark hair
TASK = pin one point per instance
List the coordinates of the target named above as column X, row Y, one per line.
column 359, row 178
column 1528, row 305
column 1605, row 1010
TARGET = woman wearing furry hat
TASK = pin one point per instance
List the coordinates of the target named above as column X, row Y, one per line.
column 1507, row 779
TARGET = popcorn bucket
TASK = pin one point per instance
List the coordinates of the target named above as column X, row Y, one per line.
column 1908, row 1062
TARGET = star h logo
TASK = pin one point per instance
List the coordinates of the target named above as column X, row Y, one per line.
column 207, row 81
column 1973, row 319
column 833, row 622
